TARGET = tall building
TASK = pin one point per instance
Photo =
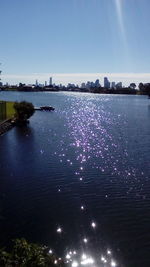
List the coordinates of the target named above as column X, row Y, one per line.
column 97, row 84
column 50, row 81
column 106, row 83
column 113, row 85
column 36, row 82
column 83, row 85
column 88, row 85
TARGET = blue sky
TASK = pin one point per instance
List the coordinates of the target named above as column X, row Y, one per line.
column 70, row 39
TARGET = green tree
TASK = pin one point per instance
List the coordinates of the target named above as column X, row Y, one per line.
column 24, row 254
column 24, row 110
column 141, row 86
column 132, row 85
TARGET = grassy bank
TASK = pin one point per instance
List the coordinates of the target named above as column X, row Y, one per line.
column 6, row 110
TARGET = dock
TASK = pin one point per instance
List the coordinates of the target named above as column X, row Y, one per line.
column 36, row 108
column 44, row 108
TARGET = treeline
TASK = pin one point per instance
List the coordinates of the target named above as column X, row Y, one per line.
column 143, row 89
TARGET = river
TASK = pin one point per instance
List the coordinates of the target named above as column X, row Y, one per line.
column 78, row 179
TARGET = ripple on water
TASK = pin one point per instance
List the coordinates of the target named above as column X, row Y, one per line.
column 84, row 182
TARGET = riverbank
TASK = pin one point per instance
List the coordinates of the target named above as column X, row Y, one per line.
column 6, row 126
column 6, row 114
column 100, row 90
column 7, row 110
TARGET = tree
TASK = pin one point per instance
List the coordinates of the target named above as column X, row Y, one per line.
column 27, row 254
column 145, row 88
column 141, row 86
column 132, row 86
column 24, row 110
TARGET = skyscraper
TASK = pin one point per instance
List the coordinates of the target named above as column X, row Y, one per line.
column 50, row 81
column 113, row 85
column 83, row 85
column 106, row 83
column 97, row 84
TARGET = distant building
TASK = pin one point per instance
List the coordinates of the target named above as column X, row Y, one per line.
column 41, row 85
column 36, row 82
column 113, row 85
column 119, row 85
column 106, row 83
column 45, row 83
column 50, row 81
column 83, row 85
column 88, row 85
column 71, row 85
column 97, row 84
column 92, row 84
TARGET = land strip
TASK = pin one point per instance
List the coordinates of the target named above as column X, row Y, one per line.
column 6, row 126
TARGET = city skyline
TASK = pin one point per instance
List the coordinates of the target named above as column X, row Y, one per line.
column 76, row 78
column 72, row 38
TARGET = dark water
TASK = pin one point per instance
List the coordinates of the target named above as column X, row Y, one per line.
column 78, row 179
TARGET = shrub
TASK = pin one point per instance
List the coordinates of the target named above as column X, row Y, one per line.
column 24, row 254
column 24, row 110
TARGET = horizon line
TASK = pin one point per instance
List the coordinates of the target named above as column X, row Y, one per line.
column 76, row 77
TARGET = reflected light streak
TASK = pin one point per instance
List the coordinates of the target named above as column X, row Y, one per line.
column 74, row 259
column 75, row 264
column 103, row 259
column 108, row 252
column 113, row 264
column 93, row 224
column 68, row 257
column 87, row 261
column 84, row 257
column 59, row 230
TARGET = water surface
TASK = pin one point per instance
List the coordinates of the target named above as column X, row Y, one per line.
column 78, row 179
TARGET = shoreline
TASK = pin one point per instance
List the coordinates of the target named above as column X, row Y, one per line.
column 110, row 92
column 5, row 126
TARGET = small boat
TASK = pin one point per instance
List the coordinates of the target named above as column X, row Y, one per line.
column 46, row 108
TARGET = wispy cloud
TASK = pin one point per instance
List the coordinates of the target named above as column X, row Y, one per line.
column 76, row 78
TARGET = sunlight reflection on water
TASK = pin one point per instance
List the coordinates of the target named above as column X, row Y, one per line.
column 74, row 259
column 93, row 144
column 84, row 186
column 97, row 142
